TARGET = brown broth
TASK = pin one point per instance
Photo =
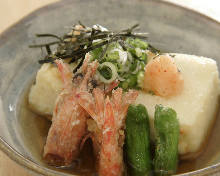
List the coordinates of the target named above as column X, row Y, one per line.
column 210, row 153
column 36, row 127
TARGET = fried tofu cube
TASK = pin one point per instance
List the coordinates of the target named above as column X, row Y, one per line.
column 44, row 92
column 196, row 105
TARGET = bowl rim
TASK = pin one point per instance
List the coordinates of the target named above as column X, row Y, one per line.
column 38, row 169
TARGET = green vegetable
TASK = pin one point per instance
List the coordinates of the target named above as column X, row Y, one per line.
column 96, row 53
column 142, row 66
column 144, row 57
column 137, row 141
column 137, row 43
column 112, row 46
column 137, row 48
column 167, row 137
column 140, row 79
column 129, row 63
column 124, row 85
column 132, row 80
column 107, row 72
column 138, row 52
column 132, row 52
column 112, row 56
column 134, row 65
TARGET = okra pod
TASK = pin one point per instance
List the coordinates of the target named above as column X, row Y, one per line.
column 137, row 141
column 167, row 137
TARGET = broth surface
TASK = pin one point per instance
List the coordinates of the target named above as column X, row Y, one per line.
column 34, row 129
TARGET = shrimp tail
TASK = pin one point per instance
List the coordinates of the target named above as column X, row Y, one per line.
column 85, row 62
column 65, row 72
column 109, row 114
column 91, row 70
column 111, row 86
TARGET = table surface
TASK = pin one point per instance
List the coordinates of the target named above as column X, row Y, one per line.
column 16, row 9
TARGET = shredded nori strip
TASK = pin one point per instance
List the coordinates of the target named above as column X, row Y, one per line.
column 74, row 47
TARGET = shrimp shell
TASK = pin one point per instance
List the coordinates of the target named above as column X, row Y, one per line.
column 69, row 118
column 109, row 114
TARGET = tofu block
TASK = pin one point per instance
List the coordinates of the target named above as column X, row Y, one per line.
column 197, row 104
column 44, row 92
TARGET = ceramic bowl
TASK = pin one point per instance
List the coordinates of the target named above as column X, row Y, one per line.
column 171, row 29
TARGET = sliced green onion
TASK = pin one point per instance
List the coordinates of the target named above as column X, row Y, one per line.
column 142, row 66
column 138, row 52
column 144, row 57
column 113, row 73
column 125, row 85
column 124, row 68
column 132, row 81
column 121, row 78
column 137, row 43
column 137, row 68
column 96, row 53
column 113, row 56
column 141, row 44
column 106, row 72
column 130, row 57
column 140, row 79
column 123, row 56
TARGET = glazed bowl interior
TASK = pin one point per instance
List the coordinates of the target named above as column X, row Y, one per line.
column 170, row 28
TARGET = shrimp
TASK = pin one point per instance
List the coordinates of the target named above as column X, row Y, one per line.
column 163, row 77
column 69, row 118
column 109, row 114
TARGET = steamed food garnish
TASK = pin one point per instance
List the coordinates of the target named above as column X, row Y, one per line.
column 128, row 98
column 163, row 77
